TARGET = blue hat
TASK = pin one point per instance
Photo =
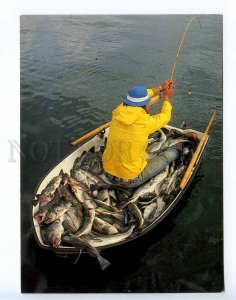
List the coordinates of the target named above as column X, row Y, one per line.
column 137, row 96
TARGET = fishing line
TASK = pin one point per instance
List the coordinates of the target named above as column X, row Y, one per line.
column 181, row 43
column 196, row 93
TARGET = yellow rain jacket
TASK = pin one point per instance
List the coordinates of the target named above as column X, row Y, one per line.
column 125, row 153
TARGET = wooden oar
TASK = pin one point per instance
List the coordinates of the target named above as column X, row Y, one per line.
column 104, row 126
column 196, row 153
column 90, row 134
column 154, row 100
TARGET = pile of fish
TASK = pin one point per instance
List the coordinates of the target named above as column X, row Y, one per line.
column 82, row 210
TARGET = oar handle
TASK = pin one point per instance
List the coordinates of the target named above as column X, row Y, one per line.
column 104, row 126
column 196, row 153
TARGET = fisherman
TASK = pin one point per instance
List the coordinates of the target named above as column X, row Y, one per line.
column 125, row 159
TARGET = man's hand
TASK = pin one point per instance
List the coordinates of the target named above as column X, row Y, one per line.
column 161, row 88
column 166, row 84
column 168, row 92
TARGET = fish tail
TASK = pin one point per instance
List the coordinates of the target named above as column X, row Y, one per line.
column 75, row 262
column 35, row 202
column 61, row 173
column 104, row 263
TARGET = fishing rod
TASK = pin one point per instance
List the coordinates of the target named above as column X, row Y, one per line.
column 181, row 43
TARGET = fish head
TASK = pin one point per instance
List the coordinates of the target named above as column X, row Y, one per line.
column 50, row 217
column 39, row 217
column 52, row 233
column 44, row 199
column 54, row 239
column 56, row 242
column 76, row 185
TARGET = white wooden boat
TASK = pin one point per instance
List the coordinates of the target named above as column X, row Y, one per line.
column 66, row 165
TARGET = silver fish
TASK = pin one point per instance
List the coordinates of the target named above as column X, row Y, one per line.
column 96, row 166
column 105, row 240
column 107, row 219
column 64, row 192
column 161, row 205
column 158, row 209
column 175, row 133
column 47, row 193
column 148, row 187
column 149, row 210
column 119, row 225
column 154, row 147
column 172, row 167
column 85, row 177
column 90, row 161
column 113, row 198
column 113, row 214
column 104, row 196
column 172, row 179
column 103, row 227
column 85, row 245
column 146, row 203
column 123, row 195
column 112, row 194
column 56, row 211
column 87, row 204
column 151, row 140
column 185, row 151
column 42, row 211
column 137, row 213
column 52, row 233
column 93, row 182
column 147, row 196
column 105, row 206
column 73, row 218
column 172, row 142
column 155, row 135
column 78, row 161
column 87, row 159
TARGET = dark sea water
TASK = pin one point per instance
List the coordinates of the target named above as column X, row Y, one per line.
column 74, row 71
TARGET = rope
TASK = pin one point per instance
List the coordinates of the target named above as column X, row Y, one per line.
column 181, row 42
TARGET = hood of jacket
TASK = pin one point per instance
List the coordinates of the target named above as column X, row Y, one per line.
column 127, row 114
